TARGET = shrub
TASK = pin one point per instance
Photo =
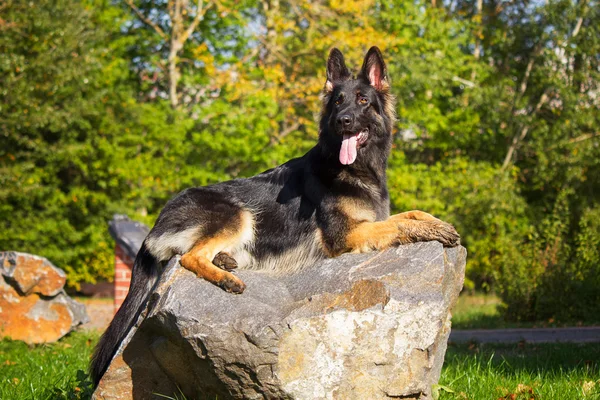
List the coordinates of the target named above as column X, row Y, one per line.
column 483, row 204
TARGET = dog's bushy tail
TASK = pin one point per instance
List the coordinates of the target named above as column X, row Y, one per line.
column 144, row 275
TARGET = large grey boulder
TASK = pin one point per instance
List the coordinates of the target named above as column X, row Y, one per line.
column 361, row 326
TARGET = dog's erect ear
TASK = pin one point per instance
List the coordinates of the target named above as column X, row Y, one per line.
column 374, row 71
column 336, row 69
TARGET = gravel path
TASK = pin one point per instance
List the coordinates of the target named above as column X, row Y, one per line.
column 100, row 312
column 587, row 334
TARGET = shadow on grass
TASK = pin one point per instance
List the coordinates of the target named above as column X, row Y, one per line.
column 481, row 321
column 531, row 357
column 486, row 311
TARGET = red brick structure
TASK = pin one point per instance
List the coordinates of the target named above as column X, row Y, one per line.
column 123, row 267
column 129, row 236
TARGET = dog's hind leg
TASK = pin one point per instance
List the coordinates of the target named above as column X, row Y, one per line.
column 234, row 236
column 197, row 262
column 225, row 261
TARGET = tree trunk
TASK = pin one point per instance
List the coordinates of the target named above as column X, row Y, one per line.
column 173, row 72
column 478, row 11
column 174, row 47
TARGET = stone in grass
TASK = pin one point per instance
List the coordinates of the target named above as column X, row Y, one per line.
column 360, row 326
column 33, row 304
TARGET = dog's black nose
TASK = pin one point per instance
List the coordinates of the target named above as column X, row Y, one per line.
column 344, row 120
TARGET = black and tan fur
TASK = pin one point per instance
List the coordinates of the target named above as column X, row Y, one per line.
column 288, row 217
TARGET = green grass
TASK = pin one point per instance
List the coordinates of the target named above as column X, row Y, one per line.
column 521, row 371
column 477, row 311
column 484, row 311
column 49, row 371
column 477, row 372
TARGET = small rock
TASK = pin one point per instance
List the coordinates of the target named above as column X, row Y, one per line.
column 360, row 326
column 33, row 304
column 31, row 274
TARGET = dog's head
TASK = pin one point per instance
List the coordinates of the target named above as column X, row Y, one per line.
column 358, row 112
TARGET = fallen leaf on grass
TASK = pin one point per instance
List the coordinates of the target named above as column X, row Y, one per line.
column 521, row 392
column 435, row 391
column 524, row 389
column 8, row 362
column 587, row 387
column 474, row 347
column 15, row 381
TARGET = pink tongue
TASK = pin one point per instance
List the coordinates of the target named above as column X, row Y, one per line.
column 348, row 150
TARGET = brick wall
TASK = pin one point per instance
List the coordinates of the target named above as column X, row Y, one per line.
column 123, row 266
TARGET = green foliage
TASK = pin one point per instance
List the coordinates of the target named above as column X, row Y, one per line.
column 576, row 277
column 51, row 103
column 482, row 203
column 553, row 263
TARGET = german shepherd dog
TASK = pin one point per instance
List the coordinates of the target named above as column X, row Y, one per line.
column 330, row 201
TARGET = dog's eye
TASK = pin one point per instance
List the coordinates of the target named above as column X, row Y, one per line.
column 362, row 100
column 339, row 100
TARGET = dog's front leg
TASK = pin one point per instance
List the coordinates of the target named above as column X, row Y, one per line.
column 398, row 229
column 417, row 215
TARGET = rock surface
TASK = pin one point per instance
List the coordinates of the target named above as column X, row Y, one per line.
column 361, row 326
column 33, row 304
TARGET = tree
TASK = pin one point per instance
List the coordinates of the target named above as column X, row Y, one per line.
column 51, row 69
column 538, row 121
column 115, row 106
column 74, row 143
column 182, row 40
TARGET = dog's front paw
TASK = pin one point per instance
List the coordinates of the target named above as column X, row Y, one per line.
column 445, row 233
